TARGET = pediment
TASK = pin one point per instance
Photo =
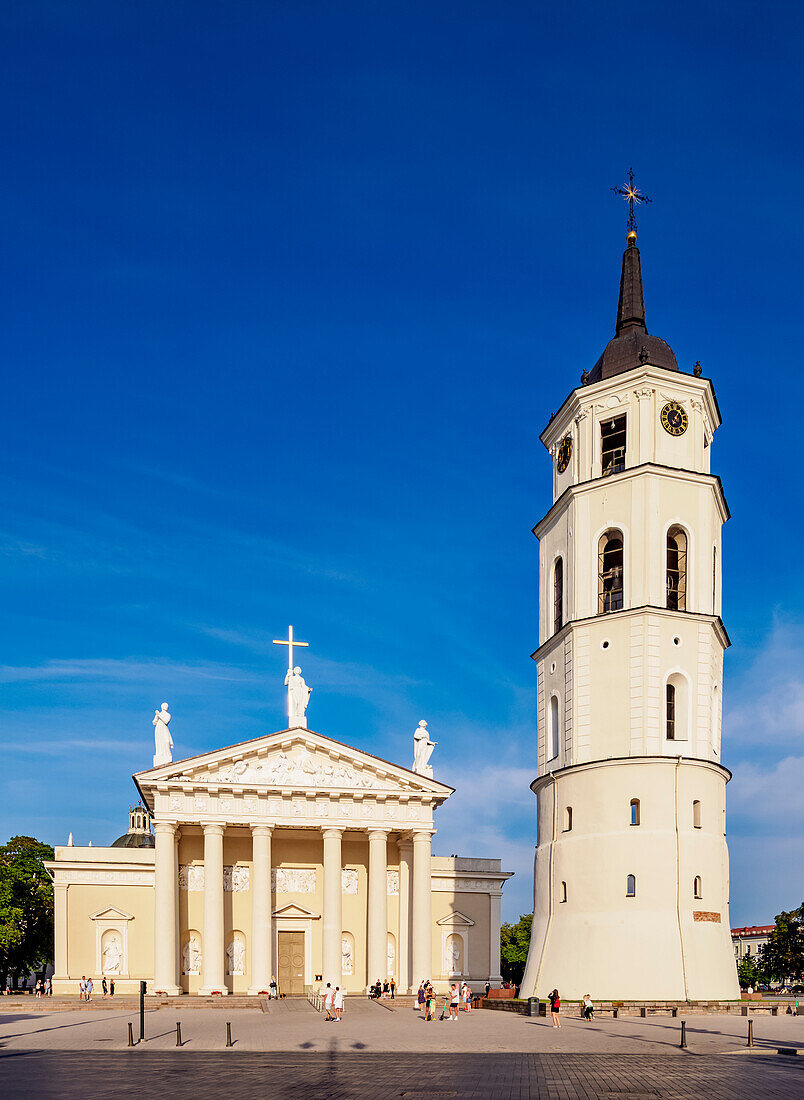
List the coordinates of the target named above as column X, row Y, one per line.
column 297, row 911
column 111, row 913
column 294, row 760
column 456, row 920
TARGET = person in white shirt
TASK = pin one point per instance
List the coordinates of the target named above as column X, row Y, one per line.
column 453, row 1002
column 82, row 988
column 328, row 999
column 337, row 1003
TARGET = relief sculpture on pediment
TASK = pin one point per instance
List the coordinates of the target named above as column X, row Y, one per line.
column 296, row 768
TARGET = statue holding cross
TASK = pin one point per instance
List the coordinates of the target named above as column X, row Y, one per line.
column 298, row 691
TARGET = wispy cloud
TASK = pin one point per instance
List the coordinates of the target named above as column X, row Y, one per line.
column 766, row 705
column 120, row 671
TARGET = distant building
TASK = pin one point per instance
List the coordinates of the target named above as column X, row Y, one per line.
column 747, row 941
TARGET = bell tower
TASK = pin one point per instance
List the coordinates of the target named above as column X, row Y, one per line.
column 631, row 871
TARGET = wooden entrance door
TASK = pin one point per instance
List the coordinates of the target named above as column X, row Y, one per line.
column 291, row 963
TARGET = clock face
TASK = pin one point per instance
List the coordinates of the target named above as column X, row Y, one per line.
column 674, row 418
column 564, row 454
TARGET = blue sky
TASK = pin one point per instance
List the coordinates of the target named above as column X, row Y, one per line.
column 288, row 293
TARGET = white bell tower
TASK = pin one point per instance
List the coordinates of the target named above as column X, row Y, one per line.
column 631, row 876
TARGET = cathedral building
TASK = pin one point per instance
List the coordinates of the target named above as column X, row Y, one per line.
column 631, row 879
column 291, row 856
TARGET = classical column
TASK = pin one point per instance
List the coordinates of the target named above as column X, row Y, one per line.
column 165, row 890
column 377, row 942
column 403, row 953
column 60, row 959
column 260, row 908
column 495, row 899
column 212, row 946
column 422, row 921
column 332, row 930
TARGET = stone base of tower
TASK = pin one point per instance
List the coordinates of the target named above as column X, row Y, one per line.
column 632, row 911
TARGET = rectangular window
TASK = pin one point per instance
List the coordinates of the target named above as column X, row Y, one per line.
column 671, row 712
column 612, row 445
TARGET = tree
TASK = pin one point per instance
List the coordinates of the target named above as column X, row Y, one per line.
column 26, row 906
column 782, row 957
column 748, row 972
column 514, row 944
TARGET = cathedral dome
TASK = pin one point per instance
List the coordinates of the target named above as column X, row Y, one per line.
column 632, row 344
column 139, row 833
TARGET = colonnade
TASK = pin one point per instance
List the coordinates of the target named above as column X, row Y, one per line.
column 415, row 927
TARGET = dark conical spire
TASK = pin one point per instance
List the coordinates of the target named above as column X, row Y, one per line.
column 631, row 345
column 631, row 304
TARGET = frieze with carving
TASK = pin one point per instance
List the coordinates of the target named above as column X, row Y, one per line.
column 293, row 880
column 392, row 882
column 348, row 881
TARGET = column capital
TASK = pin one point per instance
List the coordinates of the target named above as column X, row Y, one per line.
column 165, row 828
column 213, row 828
column 332, row 834
column 261, row 830
column 421, row 836
column 378, row 834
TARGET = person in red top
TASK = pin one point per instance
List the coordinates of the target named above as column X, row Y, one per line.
column 555, row 1005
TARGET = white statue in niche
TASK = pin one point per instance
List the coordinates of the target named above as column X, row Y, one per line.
column 164, row 742
column 112, row 956
column 390, row 956
column 347, row 959
column 192, row 956
column 422, row 750
column 236, row 954
column 298, row 697
column 452, row 955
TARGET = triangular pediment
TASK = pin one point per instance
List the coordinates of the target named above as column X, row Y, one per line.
column 298, row 911
column 112, row 913
column 456, row 920
column 293, row 760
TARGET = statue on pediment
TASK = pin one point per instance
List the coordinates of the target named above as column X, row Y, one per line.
column 422, row 750
column 164, row 742
column 298, row 697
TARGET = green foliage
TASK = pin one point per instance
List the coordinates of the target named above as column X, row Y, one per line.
column 782, row 957
column 26, row 906
column 514, row 944
column 748, row 972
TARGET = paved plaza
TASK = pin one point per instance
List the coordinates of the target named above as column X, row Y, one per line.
column 377, row 1051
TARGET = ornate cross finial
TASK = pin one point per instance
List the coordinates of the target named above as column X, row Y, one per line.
column 633, row 197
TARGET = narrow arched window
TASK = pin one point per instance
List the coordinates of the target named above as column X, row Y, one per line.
column 697, row 891
column 558, row 595
column 568, row 819
column 696, row 814
column 634, row 811
column 610, row 572
column 553, row 727
column 670, row 711
column 563, row 896
column 630, row 886
column 676, row 577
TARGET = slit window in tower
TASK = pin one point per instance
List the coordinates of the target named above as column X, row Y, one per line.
column 696, row 814
column 563, row 891
column 612, row 445
column 558, row 595
column 630, row 886
column 676, row 570
column 634, row 811
column 553, row 727
column 610, row 573
column 670, row 712
column 697, row 889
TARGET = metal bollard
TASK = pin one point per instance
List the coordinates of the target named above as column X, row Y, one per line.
column 130, row 1034
column 178, row 1034
column 229, row 1034
column 750, row 1042
column 683, row 1043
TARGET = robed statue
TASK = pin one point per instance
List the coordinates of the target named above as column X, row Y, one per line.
column 422, row 750
column 164, row 742
column 298, row 698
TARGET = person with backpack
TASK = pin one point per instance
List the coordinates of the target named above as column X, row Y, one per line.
column 555, row 1006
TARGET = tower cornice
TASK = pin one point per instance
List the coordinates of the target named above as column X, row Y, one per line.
column 672, row 472
column 579, row 402
column 618, row 761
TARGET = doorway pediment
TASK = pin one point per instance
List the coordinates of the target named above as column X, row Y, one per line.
column 295, row 912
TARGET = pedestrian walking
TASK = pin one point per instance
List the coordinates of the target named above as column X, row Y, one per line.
column 430, row 1002
column 587, row 1008
column 272, row 988
column 329, row 997
column 82, row 988
column 104, row 987
column 467, row 998
column 89, row 988
column 337, row 1003
column 488, row 988
column 111, row 987
column 392, row 984
column 454, row 1000
column 420, row 997
column 555, row 1006
column 48, row 987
